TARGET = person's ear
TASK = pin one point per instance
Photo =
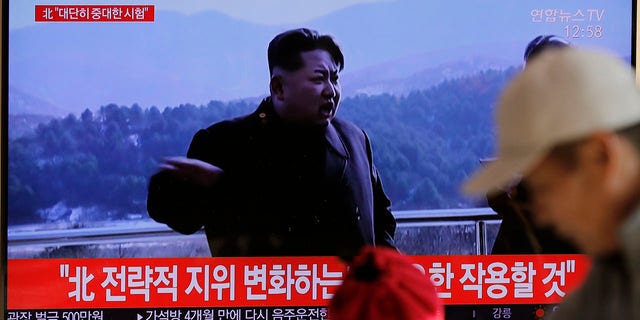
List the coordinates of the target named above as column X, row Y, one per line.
column 606, row 151
column 276, row 85
column 598, row 148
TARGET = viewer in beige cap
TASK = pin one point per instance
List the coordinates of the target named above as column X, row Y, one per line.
column 568, row 126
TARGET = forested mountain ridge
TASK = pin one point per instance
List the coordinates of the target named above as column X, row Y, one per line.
column 95, row 166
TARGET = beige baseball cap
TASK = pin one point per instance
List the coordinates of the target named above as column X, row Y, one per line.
column 560, row 96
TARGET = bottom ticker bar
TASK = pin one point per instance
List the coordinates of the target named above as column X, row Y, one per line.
column 452, row 312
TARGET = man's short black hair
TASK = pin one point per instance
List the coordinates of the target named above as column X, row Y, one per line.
column 541, row 42
column 284, row 50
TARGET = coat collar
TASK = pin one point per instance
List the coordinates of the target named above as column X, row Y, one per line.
column 335, row 141
column 267, row 116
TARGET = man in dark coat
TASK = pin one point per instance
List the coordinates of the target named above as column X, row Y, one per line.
column 518, row 234
column 289, row 179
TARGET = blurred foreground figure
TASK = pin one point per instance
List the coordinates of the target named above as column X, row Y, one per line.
column 382, row 283
column 569, row 127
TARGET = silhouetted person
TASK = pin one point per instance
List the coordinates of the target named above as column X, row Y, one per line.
column 517, row 233
column 542, row 43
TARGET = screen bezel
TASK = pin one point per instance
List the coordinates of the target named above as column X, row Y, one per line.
column 4, row 13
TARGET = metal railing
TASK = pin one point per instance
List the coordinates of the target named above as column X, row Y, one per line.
column 150, row 231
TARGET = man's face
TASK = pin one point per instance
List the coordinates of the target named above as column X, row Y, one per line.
column 309, row 95
column 570, row 201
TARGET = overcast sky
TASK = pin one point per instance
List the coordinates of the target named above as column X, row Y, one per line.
column 270, row 12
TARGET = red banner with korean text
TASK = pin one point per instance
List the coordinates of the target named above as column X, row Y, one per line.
column 267, row 281
column 94, row 13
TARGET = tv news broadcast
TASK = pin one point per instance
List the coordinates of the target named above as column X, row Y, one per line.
column 98, row 94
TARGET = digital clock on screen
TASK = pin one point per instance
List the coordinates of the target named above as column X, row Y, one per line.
column 583, row 31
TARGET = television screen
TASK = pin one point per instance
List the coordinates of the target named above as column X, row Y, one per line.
column 97, row 93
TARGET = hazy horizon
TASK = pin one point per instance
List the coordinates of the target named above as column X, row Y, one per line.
column 395, row 47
